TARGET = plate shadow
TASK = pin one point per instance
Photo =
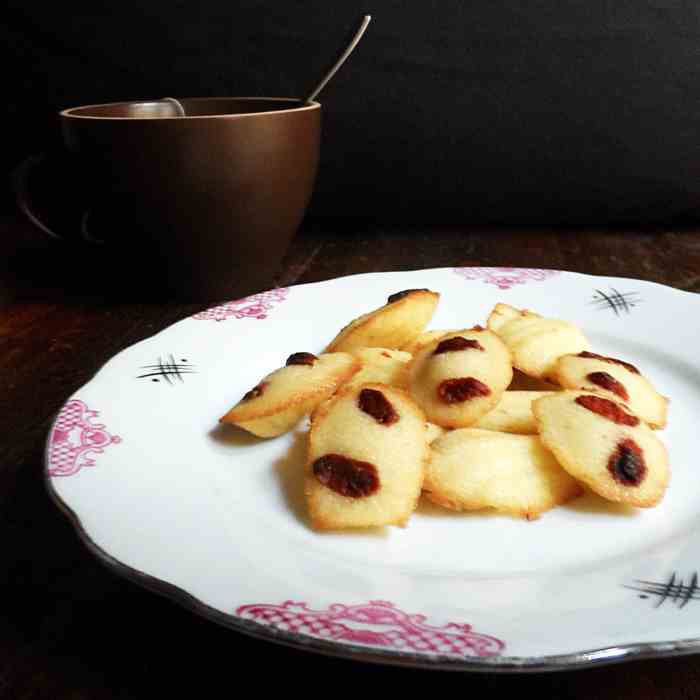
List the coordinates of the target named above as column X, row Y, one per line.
column 289, row 469
column 592, row 503
column 233, row 435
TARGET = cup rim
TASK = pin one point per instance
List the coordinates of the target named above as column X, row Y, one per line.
column 70, row 112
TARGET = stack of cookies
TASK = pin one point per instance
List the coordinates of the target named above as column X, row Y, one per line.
column 398, row 411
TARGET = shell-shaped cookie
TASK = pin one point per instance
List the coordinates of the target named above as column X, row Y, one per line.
column 279, row 401
column 366, row 459
column 616, row 380
column 393, row 325
column 513, row 414
column 600, row 443
column 470, row 469
column 536, row 343
column 460, row 377
column 381, row 366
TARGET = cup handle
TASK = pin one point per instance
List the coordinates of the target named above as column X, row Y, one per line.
column 20, row 177
column 20, row 180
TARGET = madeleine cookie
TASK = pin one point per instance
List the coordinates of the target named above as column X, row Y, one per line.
column 277, row 403
column 536, row 343
column 470, row 469
column 460, row 377
column 513, row 414
column 393, row 325
column 380, row 366
column 602, row 444
column 366, row 459
column 615, row 379
column 423, row 339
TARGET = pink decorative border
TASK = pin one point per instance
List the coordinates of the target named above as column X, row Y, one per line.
column 505, row 277
column 377, row 623
column 76, row 439
column 255, row 306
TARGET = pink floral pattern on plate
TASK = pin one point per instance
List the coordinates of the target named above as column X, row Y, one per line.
column 76, row 439
column 377, row 623
column 255, row 306
column 505, row 277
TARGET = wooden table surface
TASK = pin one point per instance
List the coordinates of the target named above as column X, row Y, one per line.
column 70, row 628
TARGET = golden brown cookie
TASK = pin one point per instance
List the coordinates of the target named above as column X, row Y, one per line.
column 470, row 469
column 381, row 366
column 401, row 319
column 279, row 401
column 602, row 444
column 536, row 343
column 513, row 414
column 460, row 377
column 366, row 459
column 616, row 380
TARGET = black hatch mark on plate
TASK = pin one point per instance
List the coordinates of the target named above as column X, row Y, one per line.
column 618, row 301
column 170, row 370
column 674, row 590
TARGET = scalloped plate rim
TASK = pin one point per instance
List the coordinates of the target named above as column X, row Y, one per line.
column 589, row 658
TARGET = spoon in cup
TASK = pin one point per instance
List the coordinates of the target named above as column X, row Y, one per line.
column 343, row 57
column 320, row 85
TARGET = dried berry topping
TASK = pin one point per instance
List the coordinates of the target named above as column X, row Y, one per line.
column 301, row 358
column 346, row 476
column 626, row 464
column 608, row 409
column 385, row 354
column 457, row 343
column 400, row 295
column 462, row 389
column 608, row 382
column 377, row 405
column 613, row 360
column 255, row 392
column 478, row 328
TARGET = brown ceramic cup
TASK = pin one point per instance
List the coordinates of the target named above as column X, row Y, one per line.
column 203, row 206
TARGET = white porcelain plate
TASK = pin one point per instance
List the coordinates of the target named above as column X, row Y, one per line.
column 216, row 519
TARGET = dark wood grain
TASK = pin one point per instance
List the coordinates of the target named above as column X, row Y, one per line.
column 70, row 629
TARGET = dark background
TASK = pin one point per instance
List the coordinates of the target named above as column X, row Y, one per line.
column 549, row 111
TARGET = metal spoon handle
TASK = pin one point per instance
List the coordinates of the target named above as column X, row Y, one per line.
column 177, row 104
column 343, row 57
